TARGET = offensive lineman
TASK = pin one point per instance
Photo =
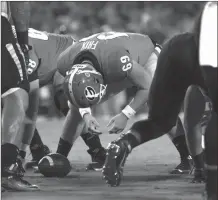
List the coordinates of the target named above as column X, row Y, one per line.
column 103, row 65
column 113, row 55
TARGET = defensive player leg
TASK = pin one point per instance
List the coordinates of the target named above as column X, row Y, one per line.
column 194, row 106
column 208, row 60
column 177, row 136
column 173, row 75
column 211, row 132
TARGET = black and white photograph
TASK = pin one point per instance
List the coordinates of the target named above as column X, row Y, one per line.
column 109, row 100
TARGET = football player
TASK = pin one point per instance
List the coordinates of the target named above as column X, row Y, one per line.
column 177, row 69
column 197, row 110
column 44, row 49
column 206, row 37
column 14, row 91
column 99, row 67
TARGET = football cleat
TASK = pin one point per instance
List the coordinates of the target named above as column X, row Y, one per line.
column 98, row 158
column 16, row 183
column 183, row 168
column 116, row 155
column 199, row 176
column 12, row 178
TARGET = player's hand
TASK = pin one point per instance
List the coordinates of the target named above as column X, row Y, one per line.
column 117, row 123
column 92, row 124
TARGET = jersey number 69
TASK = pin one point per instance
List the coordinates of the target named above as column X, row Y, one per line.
column 127, row 64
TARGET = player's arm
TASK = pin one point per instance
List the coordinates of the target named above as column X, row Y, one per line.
column 142, row 80
column 20, row 12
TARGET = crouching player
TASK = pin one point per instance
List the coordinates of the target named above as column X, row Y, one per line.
column 98, row 67
column 44, row 51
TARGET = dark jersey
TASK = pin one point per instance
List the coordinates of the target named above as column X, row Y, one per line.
column 111, row 53
column 46, row 47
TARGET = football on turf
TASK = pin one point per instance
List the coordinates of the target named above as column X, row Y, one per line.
column 54, row 165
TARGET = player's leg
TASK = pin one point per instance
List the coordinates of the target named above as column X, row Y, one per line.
column 173, row 75
column 177, row 136
column 211, row 132
column 208, row 60
column 194, row 106
column 30, row 134
column 31, row 115
column 72, row 129
column 15, row 87
column 96, row 151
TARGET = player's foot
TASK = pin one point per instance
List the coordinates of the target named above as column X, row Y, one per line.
column 199, row 176
column 98, row 158
column 183, row 168
column 12, row 179
column 16, row 183
column 37, row 155
column 116, row 155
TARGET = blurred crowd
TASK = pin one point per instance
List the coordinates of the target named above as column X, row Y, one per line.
column 160, row 20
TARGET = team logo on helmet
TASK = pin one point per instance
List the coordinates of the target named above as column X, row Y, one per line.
column 90, row 93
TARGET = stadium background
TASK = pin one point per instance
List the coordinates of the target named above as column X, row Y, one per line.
column 160, row 20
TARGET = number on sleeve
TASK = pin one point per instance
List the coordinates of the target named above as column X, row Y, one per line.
column 31, row 66
column 37, row 34
column 127, row 64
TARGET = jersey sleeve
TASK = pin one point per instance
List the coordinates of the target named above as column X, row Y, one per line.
column 62, row 42
column 118, row 64
column 63, row 62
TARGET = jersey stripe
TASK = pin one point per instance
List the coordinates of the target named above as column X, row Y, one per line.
column 14, row 56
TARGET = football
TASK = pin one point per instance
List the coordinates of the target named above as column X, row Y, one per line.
column 54, row 165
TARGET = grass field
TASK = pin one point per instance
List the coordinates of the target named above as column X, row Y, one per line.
column 146, row 174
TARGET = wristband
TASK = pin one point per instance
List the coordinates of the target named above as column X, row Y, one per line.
column 128, row 111
column 22, row 37
column 84, row 111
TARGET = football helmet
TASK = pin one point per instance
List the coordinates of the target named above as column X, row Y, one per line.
column 84, row 86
